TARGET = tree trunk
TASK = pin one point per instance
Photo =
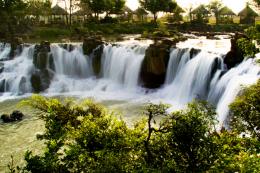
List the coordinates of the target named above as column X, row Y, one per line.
column 155, row 17
column 70, row 11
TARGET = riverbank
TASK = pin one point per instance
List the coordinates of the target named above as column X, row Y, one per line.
column 114, row 32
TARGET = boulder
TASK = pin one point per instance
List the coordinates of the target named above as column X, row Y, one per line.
column 14, row 116
column 154, row 66
column 2, row 85
column 41, row 55
column 194, row 52
column 91, row 43
column 1, row 67
column 16, row 47
column 44, row 65
column 97, row 56
column 235, row 55
column 41, row 80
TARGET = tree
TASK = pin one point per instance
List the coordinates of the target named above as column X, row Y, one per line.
column 215, row 6
column 155, row 6
column 38, row 8
column 97, row 7
column 118, row 6
column 246, row 111
column 108, row 6
column 256, row 2
column 11, row 15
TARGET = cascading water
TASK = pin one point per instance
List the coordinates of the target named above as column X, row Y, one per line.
column 192, row 79
column 122, row 65
column 202, row 76
column 119, row 70
column 230, row 84
column 5, row 49
column 178, row 58
column 15, row 78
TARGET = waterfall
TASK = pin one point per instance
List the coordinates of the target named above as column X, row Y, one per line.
column 178, row 58
column 122, row 64
column 192, row 79
column 15, row 78
column 202, row 76
column 205, row 77
column 119, row 70
column 5, row 49
column 230, row 84
column 73, row 64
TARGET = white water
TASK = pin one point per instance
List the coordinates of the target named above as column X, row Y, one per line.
column 4, row 50
column 200, row 77
column 15, row 77
column 228, row 86
column 120, row 70
column 192, row 80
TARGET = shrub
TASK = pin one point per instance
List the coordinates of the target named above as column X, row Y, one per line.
column 248, row 48
column 246, row 111
column 86, row 137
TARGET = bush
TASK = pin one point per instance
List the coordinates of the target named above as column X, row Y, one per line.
column 248, row 48
column 246, row 111
column 86, row 137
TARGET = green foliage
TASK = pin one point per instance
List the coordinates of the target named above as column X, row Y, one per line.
column 50, row 33
column 246, row 111
column 11, row 17
column 247, row 46
column 155, row 6
column 86, row 137
column 215, row 6
column 38, row 7
column 83, row 137
column 108, row 6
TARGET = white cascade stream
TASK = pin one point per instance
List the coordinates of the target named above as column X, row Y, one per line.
column 201, row 77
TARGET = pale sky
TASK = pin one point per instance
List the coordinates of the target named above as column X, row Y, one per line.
column 235, row 5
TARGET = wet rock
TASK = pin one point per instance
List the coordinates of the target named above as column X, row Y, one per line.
column 97, row 56
column 194, row 52
column 235, row 55
column 91, row 43
column 41, row 80
column 154, row 66
column 14, row 116
column 41, row 54
column 16, row 47
column 68, row 47
column 44, row 65
column 2, row 85
column 1, row 67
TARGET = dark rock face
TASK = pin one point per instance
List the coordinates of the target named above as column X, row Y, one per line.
column 235, row 55
column 1, row 67
column 93, row 46
column 16, row 47
column 194, row 52
column 91, row 43
column 42, row 59
column 2, row 86
column 96, row 59
column 154, row 66
column 15, row 116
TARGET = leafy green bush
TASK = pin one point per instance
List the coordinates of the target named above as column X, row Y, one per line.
column 248, row 48
column 246, row 111
column 86, row 137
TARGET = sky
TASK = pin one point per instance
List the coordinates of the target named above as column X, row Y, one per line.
column 235, row 5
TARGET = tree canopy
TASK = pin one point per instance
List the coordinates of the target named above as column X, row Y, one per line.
column 108, row 6
column 155, row 6
column 215, row 7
